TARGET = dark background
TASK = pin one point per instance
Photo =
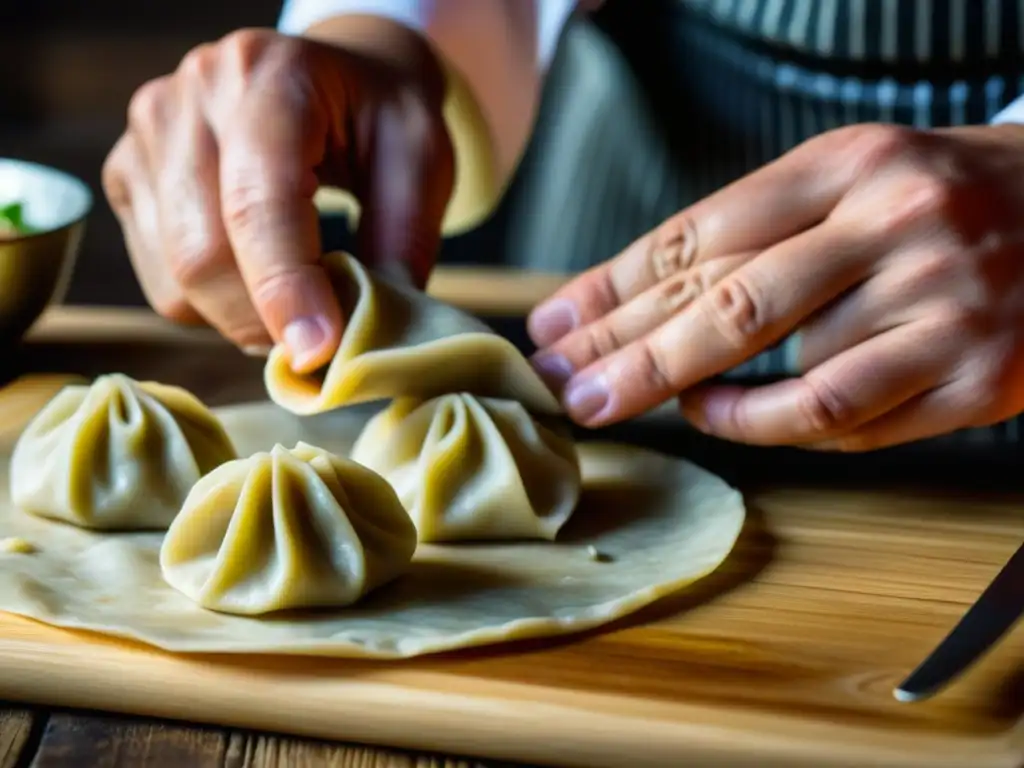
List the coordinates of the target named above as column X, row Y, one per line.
column 67, row 71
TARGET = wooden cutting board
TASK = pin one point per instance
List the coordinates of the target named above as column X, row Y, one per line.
column 785, row 657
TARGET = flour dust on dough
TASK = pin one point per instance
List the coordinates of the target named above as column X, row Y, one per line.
column 658, row 524
column 115, row 454
column 469, row 468
column 400, row 342
column 286, row 529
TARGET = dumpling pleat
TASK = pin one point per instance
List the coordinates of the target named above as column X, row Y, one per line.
column 306, row 529
column 115, row 455
column 467, row 467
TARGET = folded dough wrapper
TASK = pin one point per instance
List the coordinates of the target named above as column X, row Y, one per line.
column 400, row 342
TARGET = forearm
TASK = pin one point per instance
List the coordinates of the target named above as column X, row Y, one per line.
column 495, row 55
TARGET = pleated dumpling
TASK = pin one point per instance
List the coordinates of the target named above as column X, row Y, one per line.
column 400, row 342
column 299, row 528
column 116, row 454
column 473, row 468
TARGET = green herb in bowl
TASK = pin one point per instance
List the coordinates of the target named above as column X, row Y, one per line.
column 43, row 214
column 12, row 221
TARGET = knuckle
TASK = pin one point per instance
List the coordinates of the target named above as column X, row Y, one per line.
column 598, row 293
column 737, row 311
column 680, row 291
column 932, row 270
column 654, row 368
column 823, row 408
column 951, row 321
column 673, row 247
column 930, row 194
column 244, row 47
column 146, row 105
column 115, row 185
column 247, row 208
column 926, row 198
column 195, row 263
column 601, row 340
column 281, row 285
column 877, row 145
column 199, row 64
column 936, row 266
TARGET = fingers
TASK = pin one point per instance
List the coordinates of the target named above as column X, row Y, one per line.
column 930, row 414
column 406, row 180
column 268, row 152
column 782, row 199
column 631, row 321
column 833, row 399
column 126, row 183
column 197, row 250
column 743, row 314
column 902, row 289
column 214, row 184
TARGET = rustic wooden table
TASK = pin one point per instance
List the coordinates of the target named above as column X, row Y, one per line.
column 76, row 342
column 42, row 739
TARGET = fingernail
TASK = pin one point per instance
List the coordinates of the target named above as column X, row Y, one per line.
column 550, row 322
column 718, row 410
column 554, row 369
column 587, row 399
column 256, row 350
column 305, row 338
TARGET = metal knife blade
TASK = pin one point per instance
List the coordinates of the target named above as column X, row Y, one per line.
column 993, row 615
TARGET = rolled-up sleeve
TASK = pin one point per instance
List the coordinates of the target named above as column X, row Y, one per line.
column 496, row 54
column 1012, row 113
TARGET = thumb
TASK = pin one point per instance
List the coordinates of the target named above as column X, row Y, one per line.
column 267, row 188
column 405, row 182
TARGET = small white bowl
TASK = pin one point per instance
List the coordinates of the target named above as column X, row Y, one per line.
column 36, row 267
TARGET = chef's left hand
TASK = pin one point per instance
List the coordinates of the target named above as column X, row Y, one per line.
column 896, row 255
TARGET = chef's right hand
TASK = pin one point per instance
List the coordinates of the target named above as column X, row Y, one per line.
column 214, row 177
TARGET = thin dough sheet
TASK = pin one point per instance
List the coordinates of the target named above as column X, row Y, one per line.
column 400, row 342
column 646, row 526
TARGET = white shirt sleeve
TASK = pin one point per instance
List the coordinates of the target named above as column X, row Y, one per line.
column 1012, row 113
column 549, row 16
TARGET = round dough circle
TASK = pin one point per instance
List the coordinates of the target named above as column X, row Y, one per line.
column 646, row 526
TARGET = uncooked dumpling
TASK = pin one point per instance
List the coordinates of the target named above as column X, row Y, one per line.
column 400, row 342
column 473, row 468
column 119, row 454
column 655, row 523
column 295, row 528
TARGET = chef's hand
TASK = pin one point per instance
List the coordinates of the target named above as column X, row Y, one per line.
column 213, row 180
column 896, row 255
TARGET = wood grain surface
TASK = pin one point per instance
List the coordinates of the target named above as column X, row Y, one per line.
column 785, row 657
column 61, row 739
